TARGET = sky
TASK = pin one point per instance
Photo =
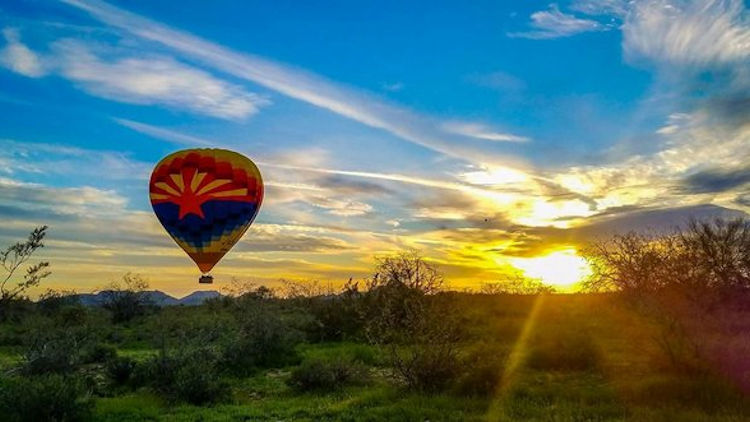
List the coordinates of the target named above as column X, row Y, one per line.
column 483, row 134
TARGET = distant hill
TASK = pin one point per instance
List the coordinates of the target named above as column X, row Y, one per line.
column 197, row 298
column 157, row 297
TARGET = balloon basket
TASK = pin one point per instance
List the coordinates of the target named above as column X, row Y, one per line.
column 206, row 279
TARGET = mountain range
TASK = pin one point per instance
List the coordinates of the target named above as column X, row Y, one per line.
column 156, row 297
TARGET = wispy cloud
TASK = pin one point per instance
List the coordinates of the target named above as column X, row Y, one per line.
column 165, row 134
column 18, row 57
column 154, row 80
column 479, row 131
column 690, row 33
column 553, row 23
column 295, row 83
column 45, row 159
column 293, row 163
column 130, row 77
column 616, row 8
column 81, row 201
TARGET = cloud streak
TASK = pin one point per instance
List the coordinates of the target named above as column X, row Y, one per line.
column 295, row 83
column 552, row 23
column 478, row 131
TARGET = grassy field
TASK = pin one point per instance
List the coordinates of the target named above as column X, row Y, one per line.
column 564, row 358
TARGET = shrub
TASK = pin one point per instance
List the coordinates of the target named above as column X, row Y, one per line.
column 52, row 301
column 415, row 324
column 192, row 377
column 426, row 367
column 98, row 353
column 566, row 351
column 45, row 398
column 481, row 371
column 127, row 299
column 264, row 341
column 120, row 370
column 336, row 317
column 328, row 375
column 11, row 260
column 52, row 350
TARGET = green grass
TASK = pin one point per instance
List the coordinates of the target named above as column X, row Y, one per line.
column 583, row 360
column 9, row 357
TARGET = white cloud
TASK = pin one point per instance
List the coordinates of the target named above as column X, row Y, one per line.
column 479, row 131
column 81, row 201
column 165, row 134
column 553, row 23
column 55, row 159
column 601, row 7
column 690, row 33
column 19, row 58
column 154, row 80
column 341, row 207
column 360, row 106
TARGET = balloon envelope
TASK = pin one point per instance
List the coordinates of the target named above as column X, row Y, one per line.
column 206, row 199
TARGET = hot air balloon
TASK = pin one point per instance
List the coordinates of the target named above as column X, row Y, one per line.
column 206, row 199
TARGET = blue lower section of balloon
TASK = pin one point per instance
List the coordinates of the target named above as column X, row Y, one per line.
column 220, row 218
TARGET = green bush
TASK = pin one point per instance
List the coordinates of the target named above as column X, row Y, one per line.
column 480, row 371
column 328, row 375
column 427, row 368
column 52, row 355
column 264, row 341
column 120, row 370
column 192, row 377
column 44, row 398
column 564, row 351
column 98, row 353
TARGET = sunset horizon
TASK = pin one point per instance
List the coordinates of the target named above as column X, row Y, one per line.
column 495, row 141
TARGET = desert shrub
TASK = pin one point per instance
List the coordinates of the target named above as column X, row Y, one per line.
column 52, row 349
column 364, row 354
column 44, row 398
column 328, row 375
column 481, row 371
column 516, row 284
column 682, row 281
column 98, row 353
column 564, row 351
column 336, row 317
column 709, row 261
column 51, row 301
column 426, row 367
column 264, row 340
column 127, row 298
column 119, row 370
column 413, row 322
column 190, row 376
column 13, row 289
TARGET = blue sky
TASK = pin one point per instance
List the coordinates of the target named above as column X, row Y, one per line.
column 481, row 134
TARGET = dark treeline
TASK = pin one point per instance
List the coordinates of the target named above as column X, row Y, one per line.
column 400, row 325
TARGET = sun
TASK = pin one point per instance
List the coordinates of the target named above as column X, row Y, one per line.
column 561, row 269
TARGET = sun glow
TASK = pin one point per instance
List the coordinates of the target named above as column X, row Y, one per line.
column 561, row 269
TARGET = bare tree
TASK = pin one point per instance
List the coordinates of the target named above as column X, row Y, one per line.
column 416, row 325
column 13, row 258
column 408, row 270
column 688, row 281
